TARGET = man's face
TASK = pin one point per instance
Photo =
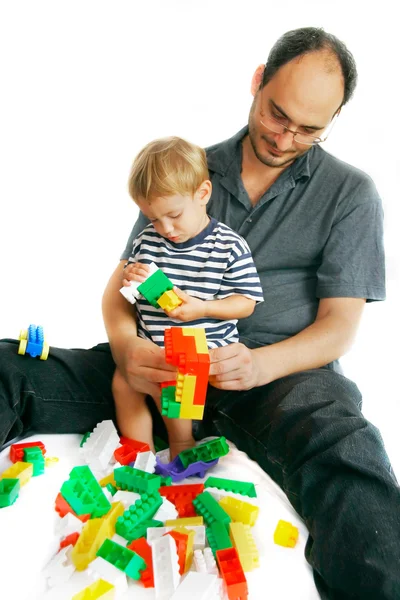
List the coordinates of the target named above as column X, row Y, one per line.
column 177, row 218
column 304, row 95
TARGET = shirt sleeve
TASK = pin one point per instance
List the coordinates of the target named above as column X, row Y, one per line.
column 140, row 224
column 241, row 276
column 353, row 260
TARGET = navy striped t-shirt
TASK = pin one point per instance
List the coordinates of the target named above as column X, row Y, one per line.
column 213, row 265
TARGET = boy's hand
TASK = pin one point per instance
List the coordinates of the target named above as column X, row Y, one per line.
column 135, row 272
column 190, row 309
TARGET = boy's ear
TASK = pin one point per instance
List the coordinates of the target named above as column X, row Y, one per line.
column 203, row 192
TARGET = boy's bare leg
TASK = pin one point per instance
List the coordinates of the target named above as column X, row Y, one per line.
column 133, row 415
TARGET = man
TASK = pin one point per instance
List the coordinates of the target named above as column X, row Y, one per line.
column 314, row 225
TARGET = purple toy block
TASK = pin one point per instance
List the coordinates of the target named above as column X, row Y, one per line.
column 177, row 471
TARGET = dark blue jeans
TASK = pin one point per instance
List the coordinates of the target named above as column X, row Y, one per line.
column 306, row 431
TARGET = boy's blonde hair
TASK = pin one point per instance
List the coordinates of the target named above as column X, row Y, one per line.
column 165, row 167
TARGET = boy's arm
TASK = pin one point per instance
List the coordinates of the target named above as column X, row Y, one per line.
column 233, row 307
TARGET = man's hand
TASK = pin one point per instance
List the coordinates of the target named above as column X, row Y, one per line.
column 234, row 367
column 145, row 367
column 190, row 309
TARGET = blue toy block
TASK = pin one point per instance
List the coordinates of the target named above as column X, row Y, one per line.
column 32, row 342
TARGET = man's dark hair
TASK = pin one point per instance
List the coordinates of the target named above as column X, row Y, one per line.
column 311, row 39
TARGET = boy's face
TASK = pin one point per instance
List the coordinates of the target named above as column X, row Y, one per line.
column 177, row 218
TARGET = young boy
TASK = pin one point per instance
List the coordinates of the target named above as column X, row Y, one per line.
column 210, row 265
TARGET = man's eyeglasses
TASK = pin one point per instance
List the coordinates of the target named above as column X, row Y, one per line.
column 274, row 125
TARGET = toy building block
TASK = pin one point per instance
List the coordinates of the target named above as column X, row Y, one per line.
column 69, row 540
column 181, row 541
column 182, row 496
column 206, row 506
column 198, row 586
column 131, row 292
column 19, row 470
column 60, row 568
column 286, row 534
column 67, row 525
column 204, row 561
column 169, row 406
column 140, row 530
column 108, row 479
column 92, row 536
column 184, row 522
column 199, row 538
column 9, row 491
column 143, row 509
column 84, row 494
column 169, row 300
column 127, row 498
column 244, row 488
column 178, row 472
column 245, row 545
column 62, row 508
column 185, row 391
column 199, row 337
column 145, row 461
column 232, row 574
column 99, row 590
column 165, row 567
column 34, row 455
column 218, row 537
column 219, row 494
column 166, row 511
column 17, row 450
column 205, row 452
column 32, row 341
column 122, row 558
column 154, row 286
column 102, row 569
column 98, row 449
column 239, row 510
column 135, row 480
column 141, row 547
column 129, row 449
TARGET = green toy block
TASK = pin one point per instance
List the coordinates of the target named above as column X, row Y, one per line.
column 122, row 558
column 170, row 408
column 166, row 480
column 206, row 506
column 84, row 494
column 205, row 452
column 9, row 490
column 142, row 510
column 135, row 480
column 160, row 444
column 232, row 485
column 34, row 455
column 85, row 437
column 154, row 287
column 141, row 529
column 218, row 537
column 112, row 489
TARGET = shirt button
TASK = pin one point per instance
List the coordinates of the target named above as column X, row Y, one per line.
column 250, row 220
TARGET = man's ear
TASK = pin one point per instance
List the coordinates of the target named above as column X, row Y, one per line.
column 257, row 79
column 203, row 192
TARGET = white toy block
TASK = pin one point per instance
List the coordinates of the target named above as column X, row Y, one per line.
column 166, row 511
column 154, row 533
column 108, row 494
column 127, row 498
column 205, row 562
column 60, row 568
column 217, row 494
column 118, row 539
column 198, row 586
column 98, row 450
column 145, row 461
column 130, row 292
column 100, row 568
column 163, row 456
column 68, row 524
column 165, row 567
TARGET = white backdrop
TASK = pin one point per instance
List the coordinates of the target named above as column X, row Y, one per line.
column 85, row 84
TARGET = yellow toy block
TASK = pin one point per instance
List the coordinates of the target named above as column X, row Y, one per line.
column 117, row 509
column 245, row 545
column 185, row 386
column 189, row 546
column 286, row 534
column 239, row 510
column 100, row 589
column 19, row 470
column 169, row 300
column 200, row 339
column 185, row 521
column 108, row 479
column 93, row 534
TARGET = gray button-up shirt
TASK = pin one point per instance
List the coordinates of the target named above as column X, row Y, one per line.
column 317, row 232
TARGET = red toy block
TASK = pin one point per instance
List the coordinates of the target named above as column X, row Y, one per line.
column 141, row 547
column 129, row 450
column 70, row 540
column 232, row 573
column 63, row 508
column 182, row 497
column 17, row 450
column 181, row 541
